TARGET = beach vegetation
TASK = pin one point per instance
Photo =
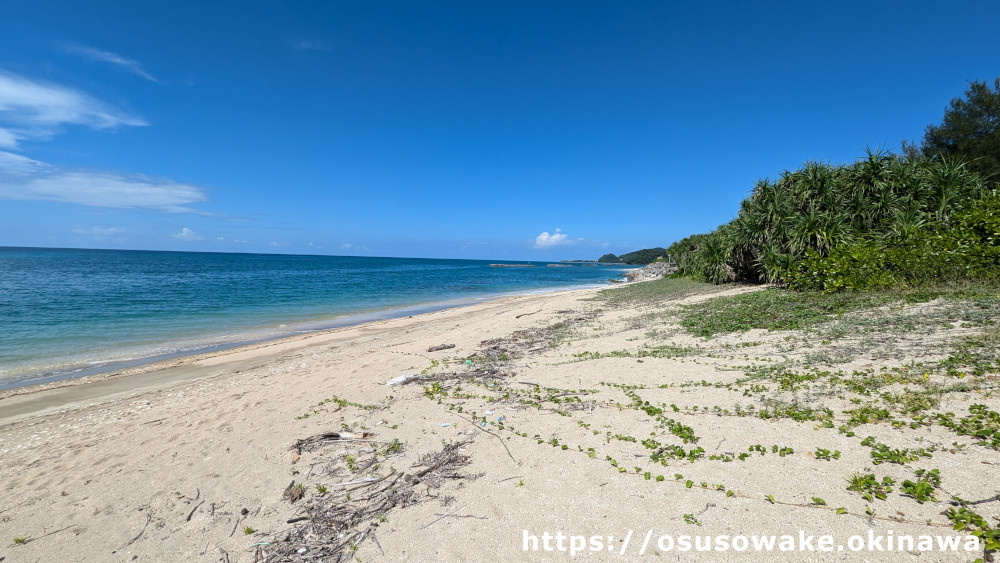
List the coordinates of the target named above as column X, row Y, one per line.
column 690, row 519
column 966, row 520
column 869, row 486
column 880, row 222
column 922, row 490
column 916, row 219
column 825, row 454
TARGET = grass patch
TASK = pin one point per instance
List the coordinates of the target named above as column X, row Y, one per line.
column 656, row 291
column 774, row 309
column 784, row 309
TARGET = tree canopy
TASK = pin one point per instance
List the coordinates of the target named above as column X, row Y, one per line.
column 644, row 256
column 970, row 129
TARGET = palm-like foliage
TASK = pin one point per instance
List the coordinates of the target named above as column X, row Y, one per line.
column 819, row 207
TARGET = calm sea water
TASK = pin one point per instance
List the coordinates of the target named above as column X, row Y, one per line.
column 67, row 313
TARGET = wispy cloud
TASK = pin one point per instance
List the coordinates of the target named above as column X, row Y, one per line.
column 188, row 235
column 306, row 45
column 8, row 139
column 100, row 231
column 33, row 110
column 15, row 164
column 546, row 240
column 24, row 178
column 102, row 234
column 93, row 54
column 349, row 246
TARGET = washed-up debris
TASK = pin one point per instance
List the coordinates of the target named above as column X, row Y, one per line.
column 404, row 379
column 440, row 347
column 294, row 491
column 313, row 442
column 333, row 526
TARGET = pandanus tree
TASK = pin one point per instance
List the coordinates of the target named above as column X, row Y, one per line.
column 820, row 207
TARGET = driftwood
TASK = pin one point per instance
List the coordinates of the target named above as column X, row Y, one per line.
column 440, row 347
column 315, row 442
column 333, row 525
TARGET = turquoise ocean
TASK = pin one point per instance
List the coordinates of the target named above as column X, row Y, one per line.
column 67, row 313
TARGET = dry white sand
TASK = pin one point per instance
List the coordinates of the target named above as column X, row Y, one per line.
column 175, row 461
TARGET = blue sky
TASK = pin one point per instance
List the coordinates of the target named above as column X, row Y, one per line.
column 521, row 130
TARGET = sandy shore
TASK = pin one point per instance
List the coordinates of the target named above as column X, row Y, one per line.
column 190, row 460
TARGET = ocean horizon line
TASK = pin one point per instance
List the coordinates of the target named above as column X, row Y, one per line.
column 235, row 253
column 77, row 312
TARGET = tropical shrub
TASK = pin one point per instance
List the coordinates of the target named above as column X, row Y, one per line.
column 879, row 222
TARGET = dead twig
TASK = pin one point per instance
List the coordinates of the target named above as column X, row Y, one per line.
column 15, row 506
column 494, row 434
column 149, row 518
column 190, row 514
column 443, row 516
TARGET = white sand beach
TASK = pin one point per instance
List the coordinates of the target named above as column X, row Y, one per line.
column 190, row 460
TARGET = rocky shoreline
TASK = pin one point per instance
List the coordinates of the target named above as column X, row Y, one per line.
column 650, row 272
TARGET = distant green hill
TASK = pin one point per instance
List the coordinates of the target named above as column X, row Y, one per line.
column 642, row 257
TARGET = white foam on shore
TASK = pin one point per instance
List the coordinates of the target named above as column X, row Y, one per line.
column 72, row 368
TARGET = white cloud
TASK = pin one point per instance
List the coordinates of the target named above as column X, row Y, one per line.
column 187, row 234
column 278, row 244
column 546, row 240
column 349, row 246
column 24, row 178
column 32, row 110
column 108, row 57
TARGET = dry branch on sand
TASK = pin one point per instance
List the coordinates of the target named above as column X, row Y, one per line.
column 332, row 526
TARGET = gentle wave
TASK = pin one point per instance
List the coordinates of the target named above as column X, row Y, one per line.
column 68, row 313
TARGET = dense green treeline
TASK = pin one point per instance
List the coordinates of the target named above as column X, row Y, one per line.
column 929, row 216
column 641, row 257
